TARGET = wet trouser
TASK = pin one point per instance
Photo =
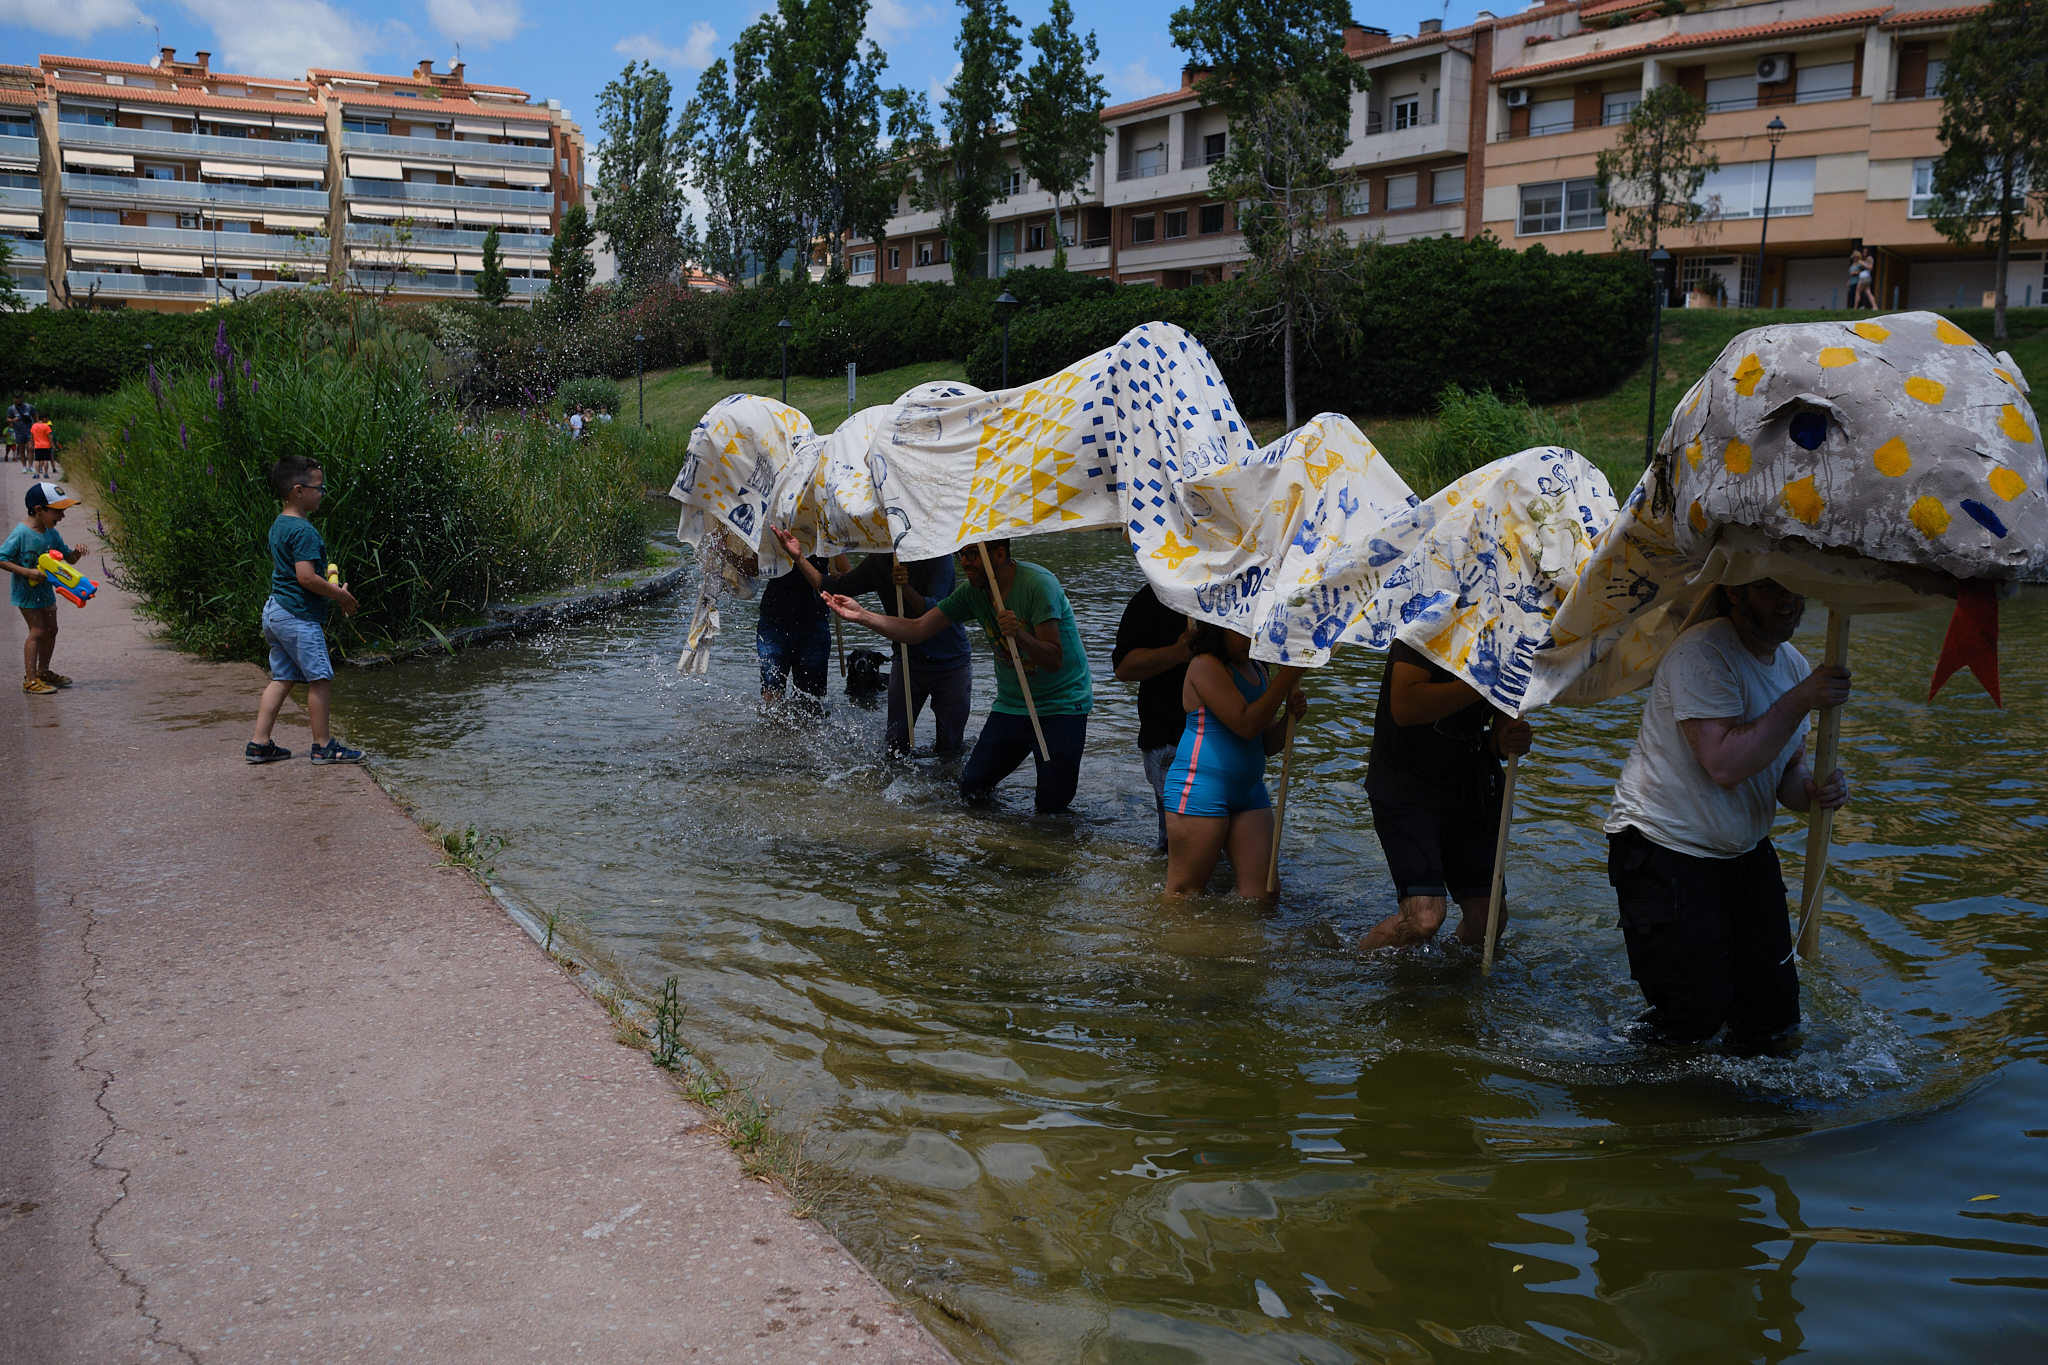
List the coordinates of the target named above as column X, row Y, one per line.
column 1709, row 939
column 1157, row 761
column 1006, row 741
column 948, row 690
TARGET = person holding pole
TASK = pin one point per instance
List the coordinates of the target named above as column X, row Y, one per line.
column 1153, row 646
column 1216, row 800
column 791, row 637
column 1043, row 690
column 940, row 669
column 1435, row 788
column 1722, row 745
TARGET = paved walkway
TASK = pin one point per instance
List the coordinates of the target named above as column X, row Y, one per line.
column 276, row 1087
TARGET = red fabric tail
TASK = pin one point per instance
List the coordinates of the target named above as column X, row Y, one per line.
column 1972, row 641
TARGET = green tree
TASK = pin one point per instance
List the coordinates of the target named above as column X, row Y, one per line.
column 569, row 264
column 916, row 147
column 781, row 190
column 859, row 184
column 1992, row 175
column 11, row 300
column 1650, row 179
column 714, row 130
column 639, row 174
column 976, row 109
column 1279, row 71
column 491, row 285
column 1059, row 114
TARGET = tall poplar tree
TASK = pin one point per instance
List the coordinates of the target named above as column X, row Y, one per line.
column 639, row 174
column 491, row 285
column 976, row 110
column 569, row 265
column 1059, row 114
column 715, row 131
column 1650, row 179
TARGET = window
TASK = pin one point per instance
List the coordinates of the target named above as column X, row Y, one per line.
column 365, row 125
column 1737, row 191
column 1447, row 186
column 1833, row 82
column 13, row 123
column 231, row 225
column 1013, row 184
column 1400, row 192
column 924, row 253
column 1034, row 237
column 1731, row 92
column 1176, row 224
column 1436, row 105
column 20, row 180
column 1212, row 148
column 1922, row 202
column 1212, row 219
column 1357, row 198
column 864, row 264
column 1550, row 116
column 1560, row 206
column 1141, row 228
column 74, row 214
column 1148, row 161
column 73, row 113
column 895, row 258
column 1407, row 112
column 1616, row 107
column 423, row 177
column 159, row 172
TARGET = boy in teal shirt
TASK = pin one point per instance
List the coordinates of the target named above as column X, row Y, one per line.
column 294, row 619
column 1038, row 619
column 31, row 591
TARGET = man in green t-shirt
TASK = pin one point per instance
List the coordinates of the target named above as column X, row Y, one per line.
column 1036, row 616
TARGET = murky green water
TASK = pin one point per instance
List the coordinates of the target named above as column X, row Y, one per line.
column 1094, row 1128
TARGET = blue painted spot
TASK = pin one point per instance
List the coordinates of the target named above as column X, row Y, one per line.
column 1984, row 517
column 1809, row 429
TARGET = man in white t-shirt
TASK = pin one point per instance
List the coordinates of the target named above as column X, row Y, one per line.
column 1722, row 744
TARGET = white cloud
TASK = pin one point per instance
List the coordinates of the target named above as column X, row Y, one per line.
column 887, row 18
column 71, row 18
column 1134, row 82
column 284, row 37
column 479, row 23
column 696, row 53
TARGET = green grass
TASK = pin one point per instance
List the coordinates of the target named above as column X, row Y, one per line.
column 678, row 398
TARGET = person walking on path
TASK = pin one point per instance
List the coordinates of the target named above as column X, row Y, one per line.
column 21, row 416
column 1037, row 617
column 31, row 590
column 1434, row 785
column 793, row 635
column 941, row 668
column 1216, row 798
column 45, row 438
column 1153, row 646
column 1722, row 745
column 295, row 616
column 1862, row 273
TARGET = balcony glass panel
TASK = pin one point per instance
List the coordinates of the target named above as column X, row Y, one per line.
column 539, row 200
column 282, row 244
column 404, row 282
column 135, row 286
column 448, row 147
column 312, row 155
column 190, row 192
column 509, row 243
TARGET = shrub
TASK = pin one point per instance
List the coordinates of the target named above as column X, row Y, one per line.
column 1044, row 341
column 1474, row 429
column 595, row 392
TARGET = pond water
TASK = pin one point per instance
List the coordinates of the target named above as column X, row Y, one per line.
column 1078, row 1125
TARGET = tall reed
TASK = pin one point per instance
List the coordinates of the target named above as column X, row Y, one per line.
column 1474, row 429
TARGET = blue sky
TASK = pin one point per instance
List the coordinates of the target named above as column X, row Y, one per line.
column 569, row 51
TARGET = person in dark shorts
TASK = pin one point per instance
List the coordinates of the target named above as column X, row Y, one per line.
column 793, row 636
column 1434, row 784
column 1153, row 645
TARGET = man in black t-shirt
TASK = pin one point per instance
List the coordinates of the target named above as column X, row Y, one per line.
column 1434, row 784
column 1153, row 645
column 793, row 636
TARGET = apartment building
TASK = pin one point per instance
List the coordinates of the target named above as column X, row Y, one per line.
column 171, row 185
column 1495, row 127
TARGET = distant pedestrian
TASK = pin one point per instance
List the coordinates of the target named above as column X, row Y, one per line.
column 295, row 616
column 21, row 415
column 575, row 425
column 44, row 437
column 1862, row 278
column 31, row 591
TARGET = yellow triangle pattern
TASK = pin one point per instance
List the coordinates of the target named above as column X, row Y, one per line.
column 1021, row 466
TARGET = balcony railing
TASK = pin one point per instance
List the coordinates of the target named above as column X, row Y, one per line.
column 1195, row 163
column 33, row 298
column 77, row 185
column 22, row 252
column 1143, row 172
column 510, row 243
column 1776, row 101
column 20, row 146
column 21, row 201
column 1376, row 123
column 537, row 200
column 405, row 282
column 313, row 154
column 448, row 147
column 80, row 282
column 281, row 244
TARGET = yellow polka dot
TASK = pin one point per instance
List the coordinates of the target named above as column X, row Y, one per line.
column 1926, row 390
column 2007, row 484
column 1930, row 516
column 1871, row 331
column 1736, row 457
column 1955, row 336
column 1692, row 454
column 2012, row 424
column 1697, row 516
column 1747, row 374
column 2003, row 375
column 1802, row 500
column 1893, row 458
column 1834, row 357
column 1699, row 391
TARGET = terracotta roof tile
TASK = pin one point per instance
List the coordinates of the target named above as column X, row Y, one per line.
column 1679, row 42
column 190, row 99
column 498, row 111
column 100, row 64
column 1613, row 6
column 1149, row 102
column 1948, row 15
column 17, row 96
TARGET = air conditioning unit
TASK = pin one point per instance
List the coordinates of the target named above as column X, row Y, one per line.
column 1774, row 68
column 1519, row 98
column 188, row 220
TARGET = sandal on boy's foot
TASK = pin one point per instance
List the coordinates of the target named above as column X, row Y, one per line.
column 54, row 679
column 36, row 687
column 333, row 752
column 265, row 752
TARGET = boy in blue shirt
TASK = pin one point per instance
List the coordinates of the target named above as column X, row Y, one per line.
column 295, row 617
column 31, row 591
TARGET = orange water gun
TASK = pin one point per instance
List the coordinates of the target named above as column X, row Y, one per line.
column 70, row 584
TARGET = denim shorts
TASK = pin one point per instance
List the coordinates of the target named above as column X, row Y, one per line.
column 298, row 647
column 793, row 648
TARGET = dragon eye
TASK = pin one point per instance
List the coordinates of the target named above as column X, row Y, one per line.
column 1809, row 429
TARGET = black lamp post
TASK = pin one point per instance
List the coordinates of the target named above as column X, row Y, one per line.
column 1008, row 303
column 640, row 369
column 785, row 327
column 1660, row 262
column 1775, row 131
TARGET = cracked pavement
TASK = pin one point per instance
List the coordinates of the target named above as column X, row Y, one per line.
column 278, row 1087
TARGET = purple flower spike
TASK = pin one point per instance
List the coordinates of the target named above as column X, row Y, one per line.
column 220, row 400
column 209, row 469
column 113, row 487
column 245, row 369
column 183, row 439
column 220, row 341
column 252, row 386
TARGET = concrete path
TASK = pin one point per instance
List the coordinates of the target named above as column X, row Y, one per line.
column 276, row 1087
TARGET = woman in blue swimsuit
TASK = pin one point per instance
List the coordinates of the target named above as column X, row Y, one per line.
column 1216, row 798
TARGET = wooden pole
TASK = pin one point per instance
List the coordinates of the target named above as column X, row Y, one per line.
column 995, row 592
column 1500, row 864
column 1280, row 810
column 1820, row 823
column 903, row 653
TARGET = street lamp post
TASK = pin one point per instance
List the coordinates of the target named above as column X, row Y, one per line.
column 1008, row 303
column 1775, row 131
column 784, row 327
column 1660, row 262
column 640, row 369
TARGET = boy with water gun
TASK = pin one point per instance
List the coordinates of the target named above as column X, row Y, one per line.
column 295, row 617
column 34, row 590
